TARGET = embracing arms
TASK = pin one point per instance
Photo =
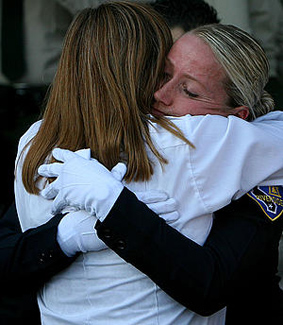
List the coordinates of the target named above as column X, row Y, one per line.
column 207, row 278
column 28, row 259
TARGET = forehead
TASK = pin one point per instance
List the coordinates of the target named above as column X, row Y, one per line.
column 191, row 52
column 191, row 59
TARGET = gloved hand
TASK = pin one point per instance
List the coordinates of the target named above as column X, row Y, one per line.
column 76, row 234
column 82, row 183
column 160, row 203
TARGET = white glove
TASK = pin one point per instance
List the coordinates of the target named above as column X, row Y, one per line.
column 82, row 183
column 76, row 233
column 160, row 203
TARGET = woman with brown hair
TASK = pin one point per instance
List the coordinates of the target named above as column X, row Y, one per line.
column 112, row 62
column 90, row 85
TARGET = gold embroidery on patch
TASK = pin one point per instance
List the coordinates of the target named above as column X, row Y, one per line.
column 273, row 190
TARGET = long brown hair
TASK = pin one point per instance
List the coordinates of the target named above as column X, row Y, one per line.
column 111, row 64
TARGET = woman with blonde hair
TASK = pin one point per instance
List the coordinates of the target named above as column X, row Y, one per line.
column 112, row 62
column 245, row 64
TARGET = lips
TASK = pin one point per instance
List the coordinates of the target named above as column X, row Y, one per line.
column 157, row 112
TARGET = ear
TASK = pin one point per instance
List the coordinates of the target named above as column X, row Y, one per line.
column 242, row 112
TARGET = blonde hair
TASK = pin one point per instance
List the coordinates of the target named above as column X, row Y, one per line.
column 245, row 64
column 111, row 64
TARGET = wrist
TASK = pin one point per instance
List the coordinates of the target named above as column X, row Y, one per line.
column 105, row 204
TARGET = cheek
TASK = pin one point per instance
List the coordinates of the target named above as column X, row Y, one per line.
column 220, row 95
column 181, row 107
column 188, row 106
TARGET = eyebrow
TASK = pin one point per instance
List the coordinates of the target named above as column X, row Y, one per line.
column 187, row 75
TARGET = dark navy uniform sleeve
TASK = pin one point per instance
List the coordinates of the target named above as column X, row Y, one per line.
column 236, row 265
column 29, row 259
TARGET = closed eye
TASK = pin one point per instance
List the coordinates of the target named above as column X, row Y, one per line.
column 189, row 93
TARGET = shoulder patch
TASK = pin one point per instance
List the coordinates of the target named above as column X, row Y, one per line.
column 270, row 199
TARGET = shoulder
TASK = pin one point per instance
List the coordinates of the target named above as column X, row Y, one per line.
column 189, row 125
column 30, row 133
column 271, row 117
column 262, row 205
column 269, row 199
column 28, row 136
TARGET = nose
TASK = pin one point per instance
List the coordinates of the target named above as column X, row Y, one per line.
column 164, row 94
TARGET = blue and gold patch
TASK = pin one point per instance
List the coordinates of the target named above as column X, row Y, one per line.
column 270, row 199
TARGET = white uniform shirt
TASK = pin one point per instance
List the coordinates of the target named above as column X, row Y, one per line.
column 231, row 157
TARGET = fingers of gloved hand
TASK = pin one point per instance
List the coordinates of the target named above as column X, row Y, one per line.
column 84, row 153
column 59, row 204
column 152, row 196
column 162, row 208
column 50, row 170
column 170, row 217
column 50, row 191
column 119, row 171
column 63, row 154
column 96, row 167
